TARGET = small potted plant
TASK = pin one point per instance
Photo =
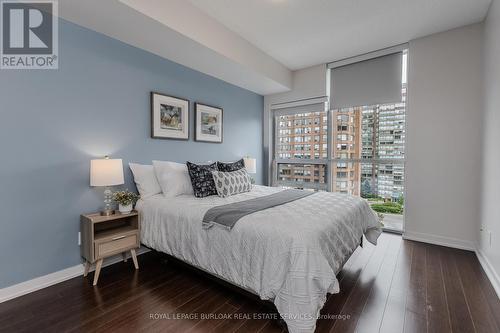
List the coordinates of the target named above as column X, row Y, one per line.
column 126, row 200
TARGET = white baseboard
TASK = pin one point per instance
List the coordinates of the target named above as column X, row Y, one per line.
column 38, row 283
column 439, row 240
column 48, row 280
column 490, row 271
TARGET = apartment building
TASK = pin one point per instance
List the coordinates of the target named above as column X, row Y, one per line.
column 346, row 148
column 367, row 150
column 302, row 137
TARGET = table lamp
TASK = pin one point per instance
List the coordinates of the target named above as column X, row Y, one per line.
column 251, row 166
column 106, row 172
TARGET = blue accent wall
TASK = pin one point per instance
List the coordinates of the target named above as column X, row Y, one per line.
column 53, row 122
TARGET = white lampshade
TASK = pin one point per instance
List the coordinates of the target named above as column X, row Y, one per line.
column 106, row 172
column 250, row 164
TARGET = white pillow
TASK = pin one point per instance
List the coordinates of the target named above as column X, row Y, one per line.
column 173, row 178
column 145, row 180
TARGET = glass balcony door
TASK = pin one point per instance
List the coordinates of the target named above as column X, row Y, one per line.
column 368, row 158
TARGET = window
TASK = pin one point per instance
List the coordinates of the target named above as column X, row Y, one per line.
column 303, row 163
column 370, row 138
column 375, row 155
column 343, row 118
column 357, row 150
column 377, row 136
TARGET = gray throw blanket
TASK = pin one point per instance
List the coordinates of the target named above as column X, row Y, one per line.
column 227, row 215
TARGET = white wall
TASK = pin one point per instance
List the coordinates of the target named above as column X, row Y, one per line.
column 443, row 137
column 490, row 208
column 307, row 83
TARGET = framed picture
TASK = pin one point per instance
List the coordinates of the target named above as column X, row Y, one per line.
column 169, row 117
column 208, row 123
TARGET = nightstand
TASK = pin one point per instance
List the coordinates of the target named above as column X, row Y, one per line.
column 105, row 236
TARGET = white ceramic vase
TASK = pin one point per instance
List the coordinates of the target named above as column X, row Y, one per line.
column 125, row 209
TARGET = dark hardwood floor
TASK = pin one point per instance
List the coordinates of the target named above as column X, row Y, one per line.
column 397, row 286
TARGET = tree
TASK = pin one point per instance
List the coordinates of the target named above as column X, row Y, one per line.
column 366, row 188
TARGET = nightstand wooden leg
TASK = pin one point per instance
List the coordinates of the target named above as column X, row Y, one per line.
column 87, row 267
column 124, row 254
column 134, row 258
column 97, row 271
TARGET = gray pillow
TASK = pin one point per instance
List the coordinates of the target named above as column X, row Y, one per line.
column 234, row 182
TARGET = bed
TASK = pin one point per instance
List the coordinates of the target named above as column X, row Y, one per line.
column 289, row 254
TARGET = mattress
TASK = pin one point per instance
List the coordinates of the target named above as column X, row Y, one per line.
column 288, row 254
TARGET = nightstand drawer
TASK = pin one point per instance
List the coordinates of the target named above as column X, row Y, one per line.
column 115, row 245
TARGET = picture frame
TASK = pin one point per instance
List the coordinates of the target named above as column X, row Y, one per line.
column 169, row 117
column 209, row 123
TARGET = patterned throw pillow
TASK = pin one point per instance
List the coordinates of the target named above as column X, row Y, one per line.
column 202, row 179
column 232, row 166
column 229, row 183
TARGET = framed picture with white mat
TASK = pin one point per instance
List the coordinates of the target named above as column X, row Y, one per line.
column 169, row 117
column 208, row 123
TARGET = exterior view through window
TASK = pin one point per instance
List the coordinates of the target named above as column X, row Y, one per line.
column 356, row 150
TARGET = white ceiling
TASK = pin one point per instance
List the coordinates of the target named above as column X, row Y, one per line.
column 255, row 44
column 302, row 33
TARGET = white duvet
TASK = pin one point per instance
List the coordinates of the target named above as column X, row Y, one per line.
column 289, row 254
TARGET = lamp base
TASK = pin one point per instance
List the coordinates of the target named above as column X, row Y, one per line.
column 108, row 212
column 108, row 199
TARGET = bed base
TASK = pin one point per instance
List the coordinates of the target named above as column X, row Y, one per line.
column 216, row 278
column 225, row 283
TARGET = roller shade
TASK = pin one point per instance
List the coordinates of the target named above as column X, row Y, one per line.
column 316, row 107
column 374, row 81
